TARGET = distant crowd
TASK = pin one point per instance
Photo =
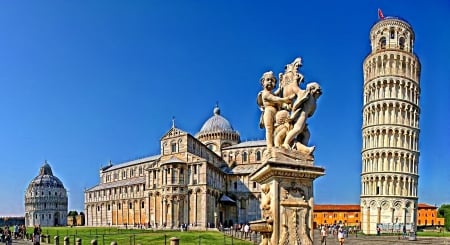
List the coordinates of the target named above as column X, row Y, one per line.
column 338, row 232
column 10, row 233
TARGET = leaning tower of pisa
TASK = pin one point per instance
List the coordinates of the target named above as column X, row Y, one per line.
column 390, row 130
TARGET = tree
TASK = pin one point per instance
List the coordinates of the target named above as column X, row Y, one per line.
column 444, row 211
column 72, row 213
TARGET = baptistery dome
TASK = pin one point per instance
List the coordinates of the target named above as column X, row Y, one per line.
column 46, row 200
column 217, row 132
column 46, row 178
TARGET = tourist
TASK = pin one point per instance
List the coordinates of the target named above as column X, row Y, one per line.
column 16, row 231
column 341, row 236
column 7, row 233
column 324, row 234
column 378, row 230
column 404, row 232
column 246, row 230
column 36, row 238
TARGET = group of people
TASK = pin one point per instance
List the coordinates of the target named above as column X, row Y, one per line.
column 243, row 228
column 9, row 233
column 338, row 231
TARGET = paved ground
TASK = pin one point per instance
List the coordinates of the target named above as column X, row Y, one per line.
column 351, row 240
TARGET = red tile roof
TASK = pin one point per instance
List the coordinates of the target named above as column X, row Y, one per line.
column 352, row 207
column 337, row 207
column 424, row 205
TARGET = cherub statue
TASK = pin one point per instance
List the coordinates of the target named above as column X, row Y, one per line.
column 269, row 104
column 301, row 110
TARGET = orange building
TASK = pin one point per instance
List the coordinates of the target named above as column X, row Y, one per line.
column 427, row 216
column 329, row 214
column 349, row 215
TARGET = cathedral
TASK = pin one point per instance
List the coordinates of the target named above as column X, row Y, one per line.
column 199, row 180
column 46, row 200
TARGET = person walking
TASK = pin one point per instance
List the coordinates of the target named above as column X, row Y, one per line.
column 341, row 238
column 323, row 234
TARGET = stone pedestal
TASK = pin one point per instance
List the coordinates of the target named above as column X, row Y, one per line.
column 287, row 201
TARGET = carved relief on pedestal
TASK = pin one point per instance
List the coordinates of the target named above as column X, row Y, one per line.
column 294, row 214
column 265, row 225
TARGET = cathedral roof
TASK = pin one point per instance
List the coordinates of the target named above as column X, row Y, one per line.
column 252, row 143
column 244, row 168
column 216, row 123
column 133, row 162
column 46, row 178
column 119, row 183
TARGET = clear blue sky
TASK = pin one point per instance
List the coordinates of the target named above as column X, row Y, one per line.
column 85, row 82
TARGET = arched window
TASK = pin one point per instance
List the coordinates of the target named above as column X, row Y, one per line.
column 392, row 34
column 131, row 205
column 382, row 42
column 211, row 147
column 244, row 156
column 235, row 185
column 142, row 204
column 401, row 43
column 258, row 156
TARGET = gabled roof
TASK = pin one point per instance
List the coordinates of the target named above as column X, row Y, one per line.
column 174, row 132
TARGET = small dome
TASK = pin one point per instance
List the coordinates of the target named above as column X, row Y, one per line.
column 216, row 123
column 45, row 178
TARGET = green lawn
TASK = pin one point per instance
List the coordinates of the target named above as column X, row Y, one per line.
column 105, row 236
column 433, row 234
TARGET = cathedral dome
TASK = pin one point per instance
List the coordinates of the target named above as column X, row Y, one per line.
column 46, row 178
column 216, row 123
column 217, row 133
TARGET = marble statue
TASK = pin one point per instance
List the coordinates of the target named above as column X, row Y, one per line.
column 286, row 110
column 269, row 104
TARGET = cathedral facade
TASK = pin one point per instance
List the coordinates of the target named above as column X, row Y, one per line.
column 390, row 130
column 201, row 181
column 46, row 200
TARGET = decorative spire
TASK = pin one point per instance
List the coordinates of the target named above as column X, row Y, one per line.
column 216, row 109
column 45, row 169
column 173, row 122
